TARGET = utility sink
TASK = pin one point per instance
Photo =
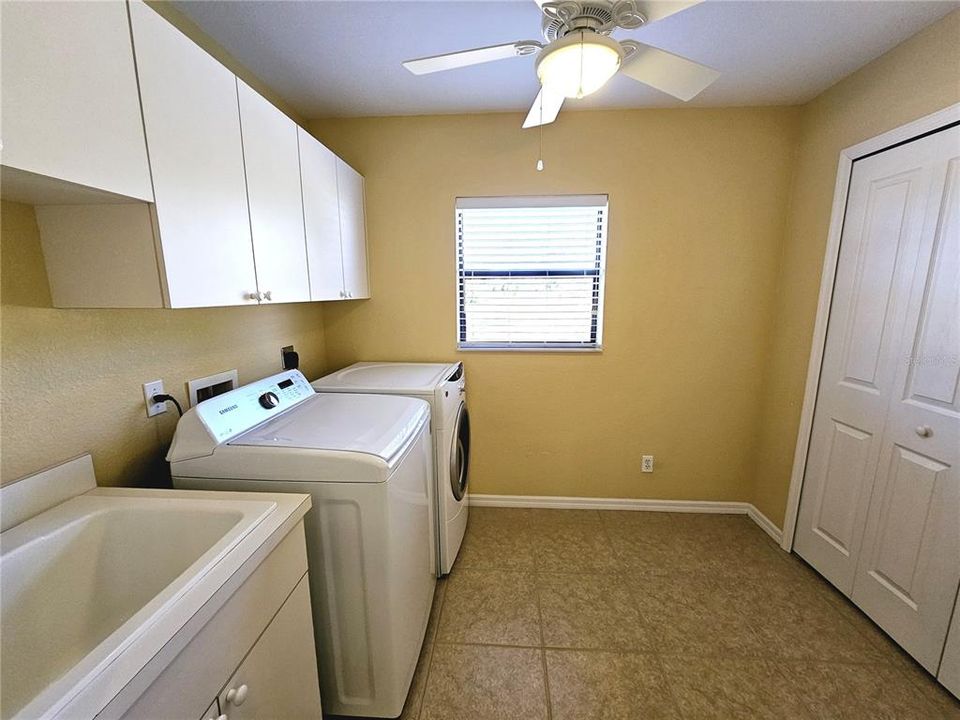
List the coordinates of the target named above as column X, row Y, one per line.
column 87, row 580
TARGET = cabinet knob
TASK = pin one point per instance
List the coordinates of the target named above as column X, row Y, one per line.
column 268, row 295
column 342, row 294
column 236, row 696
column 924, row 430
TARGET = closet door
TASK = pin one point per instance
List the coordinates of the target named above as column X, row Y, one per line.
column 909, row 567
column 888, row 197
column 272, row 161
column 192, row 123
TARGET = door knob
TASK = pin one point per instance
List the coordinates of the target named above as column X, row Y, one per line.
column 253, row 296
column 236, row 696
column 924, row 430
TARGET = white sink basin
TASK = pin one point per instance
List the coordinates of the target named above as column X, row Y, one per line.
column 83, row 580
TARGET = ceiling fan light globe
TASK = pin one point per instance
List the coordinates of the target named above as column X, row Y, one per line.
column 579, row 64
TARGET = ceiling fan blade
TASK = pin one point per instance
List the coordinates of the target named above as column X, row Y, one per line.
column 544, row 109
column 655, row 10
column 669, row 73
column 463, row 58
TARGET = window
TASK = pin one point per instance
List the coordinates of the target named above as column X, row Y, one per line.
column 530, row 272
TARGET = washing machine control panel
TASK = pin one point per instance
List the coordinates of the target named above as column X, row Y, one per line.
column 226, row 416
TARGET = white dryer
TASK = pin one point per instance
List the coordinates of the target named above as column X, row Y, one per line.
column 442, row 385
column 366, row 460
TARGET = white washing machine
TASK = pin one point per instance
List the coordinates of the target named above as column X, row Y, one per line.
column 366, row 460
column 442, row 385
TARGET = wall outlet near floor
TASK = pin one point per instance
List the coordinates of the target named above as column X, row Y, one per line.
column 149, row 390
column 646, row 463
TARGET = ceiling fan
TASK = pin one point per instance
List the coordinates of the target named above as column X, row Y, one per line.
column 579, row 56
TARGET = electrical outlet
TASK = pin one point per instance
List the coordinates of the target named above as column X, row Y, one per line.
column 646, row 463
column 149, row 390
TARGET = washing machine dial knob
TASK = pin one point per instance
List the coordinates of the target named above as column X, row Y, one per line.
column 269, row 400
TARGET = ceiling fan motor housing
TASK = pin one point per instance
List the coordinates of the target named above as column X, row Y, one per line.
column 599, row 16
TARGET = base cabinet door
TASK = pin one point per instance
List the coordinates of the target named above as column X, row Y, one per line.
column 278, row 678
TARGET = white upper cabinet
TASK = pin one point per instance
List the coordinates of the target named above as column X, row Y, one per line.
column 321, row 213
column 353, row 231
column 272, row 162
column 70, row 109
column 192, row 120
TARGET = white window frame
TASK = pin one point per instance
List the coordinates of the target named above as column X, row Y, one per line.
column 538, row 201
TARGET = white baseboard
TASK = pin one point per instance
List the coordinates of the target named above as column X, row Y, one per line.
column 589, row 503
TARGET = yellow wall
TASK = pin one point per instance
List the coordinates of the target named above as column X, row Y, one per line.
column 697, row 202
column 70, row 380
column 915, row 78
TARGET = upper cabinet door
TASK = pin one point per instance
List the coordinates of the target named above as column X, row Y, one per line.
column 272, row 163
column 321, row 212
column 70, row 104
column 353, row 231
column 192, row 121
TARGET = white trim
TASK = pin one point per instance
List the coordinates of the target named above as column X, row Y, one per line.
column 492, row 202
column 921, row 126
column 634, row 504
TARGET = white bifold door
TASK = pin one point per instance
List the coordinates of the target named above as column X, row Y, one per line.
column 880, row 510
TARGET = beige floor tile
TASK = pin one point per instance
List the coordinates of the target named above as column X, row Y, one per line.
column 411, row 708
column 946, row 706
column 796, row 622
column 851, row 692
column 669, row 542
column 488, row 545
column 696, row 614
column 492, row 607
column 574, row 548
column 438, row 595
column 734, row 689
column 591, row 685
column 471, row 682
column 591, row 611
column 543, row 517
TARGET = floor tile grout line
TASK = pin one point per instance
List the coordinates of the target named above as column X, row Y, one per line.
column 542, row 650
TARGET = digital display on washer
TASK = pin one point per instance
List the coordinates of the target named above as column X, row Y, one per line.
column 284, row 384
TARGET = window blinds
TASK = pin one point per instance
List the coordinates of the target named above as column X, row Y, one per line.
column 530, row 271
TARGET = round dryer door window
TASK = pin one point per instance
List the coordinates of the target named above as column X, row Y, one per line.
column 460, row 454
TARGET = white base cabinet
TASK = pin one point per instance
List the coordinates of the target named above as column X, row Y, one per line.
column 254, row 658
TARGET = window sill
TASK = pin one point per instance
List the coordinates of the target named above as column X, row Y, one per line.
column 562, row 350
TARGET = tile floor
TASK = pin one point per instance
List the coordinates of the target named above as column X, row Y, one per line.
column 589, row 615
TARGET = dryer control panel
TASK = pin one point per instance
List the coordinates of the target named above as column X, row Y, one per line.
column 234, row 412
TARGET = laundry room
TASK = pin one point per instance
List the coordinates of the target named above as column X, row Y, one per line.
column 479, row 360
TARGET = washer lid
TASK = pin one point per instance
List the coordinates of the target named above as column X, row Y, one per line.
column 378, row 425
column 408, row 378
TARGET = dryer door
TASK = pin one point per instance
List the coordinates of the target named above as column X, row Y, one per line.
column 460, row 453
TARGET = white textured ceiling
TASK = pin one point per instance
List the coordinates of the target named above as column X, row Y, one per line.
column 342, row 58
